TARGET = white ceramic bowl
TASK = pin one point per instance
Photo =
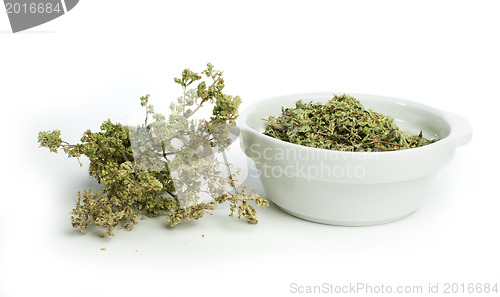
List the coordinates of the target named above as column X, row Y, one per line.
column 352, row 188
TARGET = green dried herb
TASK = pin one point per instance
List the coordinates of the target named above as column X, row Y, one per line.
column 165, row 165
column 341, row 124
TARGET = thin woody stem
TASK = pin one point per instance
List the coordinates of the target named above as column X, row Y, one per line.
column 195, row 110
column 386, row 142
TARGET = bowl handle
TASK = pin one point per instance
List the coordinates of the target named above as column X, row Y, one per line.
column 461, row 130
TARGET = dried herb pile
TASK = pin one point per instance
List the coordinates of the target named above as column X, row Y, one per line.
column 341, row 124
column 164, row 166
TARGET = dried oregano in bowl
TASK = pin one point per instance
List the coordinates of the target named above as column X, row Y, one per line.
column 341, row 124
column 167, row 165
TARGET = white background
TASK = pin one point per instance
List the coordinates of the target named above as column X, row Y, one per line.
column 97, row 60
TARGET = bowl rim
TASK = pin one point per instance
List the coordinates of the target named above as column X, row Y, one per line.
column 453, row 139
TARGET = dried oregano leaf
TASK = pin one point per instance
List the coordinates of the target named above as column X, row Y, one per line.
column 341, row 124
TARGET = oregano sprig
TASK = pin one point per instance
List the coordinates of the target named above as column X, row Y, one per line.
column 165, row 165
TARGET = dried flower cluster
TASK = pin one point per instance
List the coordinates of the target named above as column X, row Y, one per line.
column 164, row 166
column 341, row 124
